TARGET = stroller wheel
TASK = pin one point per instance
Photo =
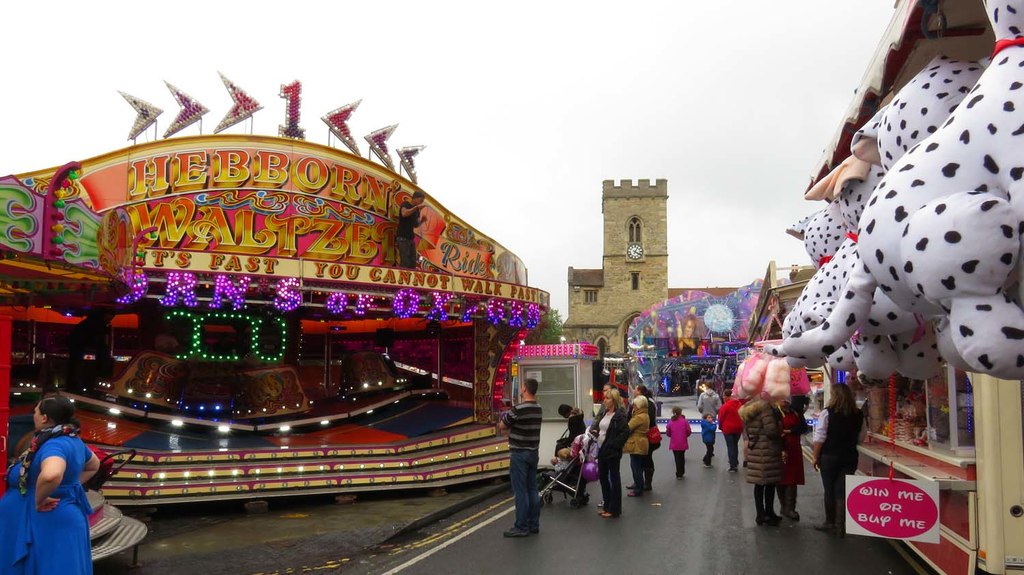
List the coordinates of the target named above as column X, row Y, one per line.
column 575, row 504
column 548, row 498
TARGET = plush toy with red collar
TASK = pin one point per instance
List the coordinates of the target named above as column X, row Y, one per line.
column 891, row 336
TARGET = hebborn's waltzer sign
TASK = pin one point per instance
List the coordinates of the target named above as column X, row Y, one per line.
column 272, row 206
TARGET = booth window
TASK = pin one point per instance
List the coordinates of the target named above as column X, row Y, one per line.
column 634, row 278
column 557, row 386
column 590, row 296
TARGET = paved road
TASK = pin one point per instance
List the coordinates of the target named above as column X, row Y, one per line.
column 702, row 524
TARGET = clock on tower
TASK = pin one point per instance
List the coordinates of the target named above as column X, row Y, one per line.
column 635, row 251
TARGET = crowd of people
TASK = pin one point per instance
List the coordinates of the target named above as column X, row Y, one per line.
column 769, row 429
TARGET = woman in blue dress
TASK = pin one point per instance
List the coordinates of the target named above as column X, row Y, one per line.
column 44, row 526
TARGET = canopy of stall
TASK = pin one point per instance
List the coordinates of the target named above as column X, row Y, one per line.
column 917, row 33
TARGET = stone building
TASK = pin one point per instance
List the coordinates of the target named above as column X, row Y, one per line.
column 634, row 272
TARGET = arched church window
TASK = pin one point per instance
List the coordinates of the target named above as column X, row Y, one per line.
column 635, row 230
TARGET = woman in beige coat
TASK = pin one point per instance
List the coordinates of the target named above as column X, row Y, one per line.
column 637, row 444
column 763, row 422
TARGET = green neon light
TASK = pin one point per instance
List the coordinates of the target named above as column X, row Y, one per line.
column 257, row 325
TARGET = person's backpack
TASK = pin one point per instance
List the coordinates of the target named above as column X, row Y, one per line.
column 109, row 466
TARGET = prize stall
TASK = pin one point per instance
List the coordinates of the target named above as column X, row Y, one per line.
column 895, row 307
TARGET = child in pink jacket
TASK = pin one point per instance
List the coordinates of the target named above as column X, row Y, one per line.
column 678, row 429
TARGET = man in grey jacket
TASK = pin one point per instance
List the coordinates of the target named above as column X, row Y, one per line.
column 709, row 403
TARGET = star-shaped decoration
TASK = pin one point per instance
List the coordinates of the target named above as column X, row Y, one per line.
column 406, row 156
column 146, row 117
column 378, row 140
column 245, row 106
column 191, row 111
column 337, row 121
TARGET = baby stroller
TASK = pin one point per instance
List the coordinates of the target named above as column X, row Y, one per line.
column 568, row 477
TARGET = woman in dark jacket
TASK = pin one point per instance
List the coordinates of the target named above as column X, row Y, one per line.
column 839, row 429
column 764, row 460
column 612, row 434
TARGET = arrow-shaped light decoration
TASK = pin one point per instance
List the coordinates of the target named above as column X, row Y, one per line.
column 245, row 106
column 406, row 156
column 378, row 140
column 191, row 111
column 337, row 121
column 146, row 117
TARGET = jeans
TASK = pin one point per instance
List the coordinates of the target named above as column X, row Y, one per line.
column 406, row 252
column 732, row 448
column 637, row 464
column 834, row 469
column 522, row 472
column 611, row 483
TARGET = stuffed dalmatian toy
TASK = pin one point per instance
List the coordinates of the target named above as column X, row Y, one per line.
column 941, row 234
column 890, row 339
column 822, row 235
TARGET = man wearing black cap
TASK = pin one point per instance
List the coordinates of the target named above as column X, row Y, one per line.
column 408, row 219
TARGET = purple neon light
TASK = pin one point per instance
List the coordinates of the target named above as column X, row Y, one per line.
column 495, row 311
column 224, row 287
column 336, row 303
column 439, row 309
column 532, row 316
column 515, row 310
column 139, row 284
column 288, row 297
column 406, row 303
column 181, row 286
column 363, row 302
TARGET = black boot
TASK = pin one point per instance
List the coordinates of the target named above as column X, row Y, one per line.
column 648, row 477
column 829, row 526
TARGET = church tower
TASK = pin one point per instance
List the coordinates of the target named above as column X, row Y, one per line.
column 634, row 273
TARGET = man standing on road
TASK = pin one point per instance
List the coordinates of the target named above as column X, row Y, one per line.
column 408, row 220
column 731, row 424
column 708, row 403
column 523, row 425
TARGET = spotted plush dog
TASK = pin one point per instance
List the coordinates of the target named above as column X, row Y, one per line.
column 916, row 113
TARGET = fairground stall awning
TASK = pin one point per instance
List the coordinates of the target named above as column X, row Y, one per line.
column 917, row 32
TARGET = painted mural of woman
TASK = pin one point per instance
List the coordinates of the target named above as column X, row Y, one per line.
column 689, row 331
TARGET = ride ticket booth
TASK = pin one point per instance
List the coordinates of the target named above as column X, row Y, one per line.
column 565, row 373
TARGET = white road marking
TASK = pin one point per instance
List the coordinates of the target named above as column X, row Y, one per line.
column 467, row 533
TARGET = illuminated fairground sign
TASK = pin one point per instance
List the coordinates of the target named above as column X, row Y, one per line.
column 257, row 215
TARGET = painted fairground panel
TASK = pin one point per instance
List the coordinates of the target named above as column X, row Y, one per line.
column 692, row 338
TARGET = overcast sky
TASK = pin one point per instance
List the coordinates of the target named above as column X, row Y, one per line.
column 524, row 107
